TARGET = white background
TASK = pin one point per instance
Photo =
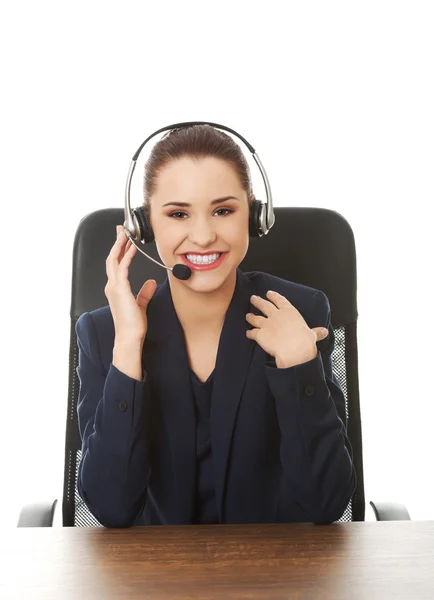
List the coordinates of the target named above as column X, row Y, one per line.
column 338, row 99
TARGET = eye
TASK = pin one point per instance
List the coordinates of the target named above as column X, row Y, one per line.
column 180, row 212
column 228, row 211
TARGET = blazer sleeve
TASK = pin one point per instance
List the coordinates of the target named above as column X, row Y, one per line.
column 316, row 454
column 112, row 419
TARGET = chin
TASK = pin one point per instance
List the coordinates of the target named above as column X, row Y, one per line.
column 209, row 281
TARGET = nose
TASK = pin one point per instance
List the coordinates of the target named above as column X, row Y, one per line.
column 202, row 231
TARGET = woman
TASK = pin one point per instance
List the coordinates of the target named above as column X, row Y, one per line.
column 212, row 399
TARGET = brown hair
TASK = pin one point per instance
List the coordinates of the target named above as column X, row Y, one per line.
column 194, row 141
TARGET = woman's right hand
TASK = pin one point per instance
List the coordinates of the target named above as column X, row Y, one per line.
column 129, row 313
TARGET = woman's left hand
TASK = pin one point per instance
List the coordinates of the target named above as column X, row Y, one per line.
column 283, row 333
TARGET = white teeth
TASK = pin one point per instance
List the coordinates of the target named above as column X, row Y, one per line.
column 202, row 260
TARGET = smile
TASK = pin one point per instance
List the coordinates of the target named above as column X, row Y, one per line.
column 205, row 262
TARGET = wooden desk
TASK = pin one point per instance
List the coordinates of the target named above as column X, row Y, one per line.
column 348, row 561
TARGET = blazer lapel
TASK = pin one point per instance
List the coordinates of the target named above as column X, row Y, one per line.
column 166, row 362
column 233, row 359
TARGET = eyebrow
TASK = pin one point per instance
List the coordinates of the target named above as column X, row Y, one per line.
column 216, row 201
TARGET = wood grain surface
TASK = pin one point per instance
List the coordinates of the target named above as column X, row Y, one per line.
column 347, row 561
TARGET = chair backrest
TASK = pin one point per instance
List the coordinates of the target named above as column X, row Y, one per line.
column 312, row 246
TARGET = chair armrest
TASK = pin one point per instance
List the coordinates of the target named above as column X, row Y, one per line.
column 390, row 511
column 37, row 515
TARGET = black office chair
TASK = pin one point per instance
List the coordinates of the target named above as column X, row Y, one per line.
column 312, row 246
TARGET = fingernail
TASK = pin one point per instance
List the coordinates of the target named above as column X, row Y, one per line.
column 324, row 332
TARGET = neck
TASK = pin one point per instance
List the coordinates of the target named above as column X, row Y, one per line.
column 201, row 310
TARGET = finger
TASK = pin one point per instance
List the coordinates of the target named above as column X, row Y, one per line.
column 252, row 333
column 320, row 332
column 264, row 306
column 279, row 300
column 119, row 245
column 146, row 293
column 116, row 253
column 256, row 320
column 123, row 251
column 127, row 258
column 126, row 248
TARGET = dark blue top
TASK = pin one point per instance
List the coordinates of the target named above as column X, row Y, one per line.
column 280, row 452
column 206, row 507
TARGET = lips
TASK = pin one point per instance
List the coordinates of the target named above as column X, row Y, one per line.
column 204, row 267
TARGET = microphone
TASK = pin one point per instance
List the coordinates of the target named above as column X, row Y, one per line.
column 179, row 271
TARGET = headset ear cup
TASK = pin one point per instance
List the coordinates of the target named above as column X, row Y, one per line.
column 254, row 218
column 146, row 233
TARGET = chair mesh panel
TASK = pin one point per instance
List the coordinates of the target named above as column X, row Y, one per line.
column 82, row 515
column 339, row 371
column 76, row 513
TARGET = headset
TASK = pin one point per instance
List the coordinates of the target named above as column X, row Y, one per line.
column 137, row 225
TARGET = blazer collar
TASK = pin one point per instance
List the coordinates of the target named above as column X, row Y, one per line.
column 163, row 321
column 166, row 361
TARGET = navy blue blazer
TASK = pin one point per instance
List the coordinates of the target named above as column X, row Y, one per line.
column 279, row 443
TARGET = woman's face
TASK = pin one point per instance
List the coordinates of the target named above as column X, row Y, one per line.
column 185, row 220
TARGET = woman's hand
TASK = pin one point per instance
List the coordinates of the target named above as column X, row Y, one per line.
column 283, row 333
column 129, row 313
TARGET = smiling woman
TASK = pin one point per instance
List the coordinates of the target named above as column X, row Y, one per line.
column 206, row 400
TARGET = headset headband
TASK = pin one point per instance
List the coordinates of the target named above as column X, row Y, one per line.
column 267, row 215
